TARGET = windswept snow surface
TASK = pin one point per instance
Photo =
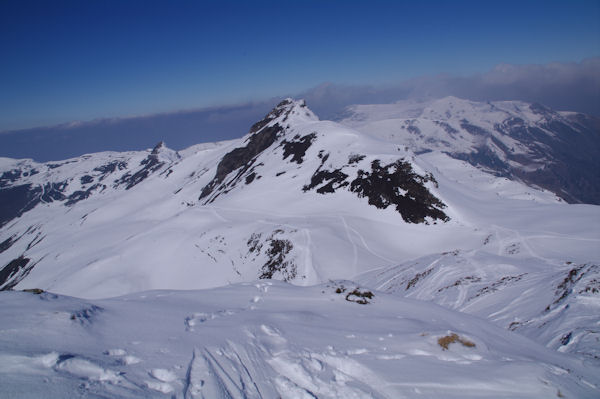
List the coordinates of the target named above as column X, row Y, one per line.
column 269, row 339
column 511, row 268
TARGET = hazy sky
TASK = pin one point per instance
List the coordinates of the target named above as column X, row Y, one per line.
column 78, row 60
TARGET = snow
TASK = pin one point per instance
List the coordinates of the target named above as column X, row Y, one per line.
column 294, row 342
column 154, row 293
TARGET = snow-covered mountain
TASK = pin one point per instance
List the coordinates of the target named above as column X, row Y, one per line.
column 269, row 205
column 386, row 198
column 554, row 150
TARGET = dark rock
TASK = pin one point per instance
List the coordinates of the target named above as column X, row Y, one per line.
column 17, row 200
column 13, row 272
column 297, row 147
column 279, row 110
column 333, row 179
column 254, row 244
column 242, row 157
column 54, row 192
column 110, row 167
column 393, row 184
column 277, row 262
column 473, row 129
column 397, row 184
column 37, row 239
column 80, row 195
column 150, row 165
column 567, row 286
column 86, row 179
column 539, row 109
column 361, row 297
column 277, row 250
column 447, row 128
column 355, row 158
column 484, row 157
column 418, row 277
column 6, row 244
column 414, row 130
column 10, row 176
column 250, row 178
column 497, row 285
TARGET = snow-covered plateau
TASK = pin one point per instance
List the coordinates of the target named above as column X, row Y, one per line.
column 408, row 250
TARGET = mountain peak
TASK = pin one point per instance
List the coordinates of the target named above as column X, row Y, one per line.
column 163, row 152
column 158, row 147
column 284, row 111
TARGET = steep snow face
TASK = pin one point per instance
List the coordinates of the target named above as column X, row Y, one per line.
column 267, row 340
column 557, row 151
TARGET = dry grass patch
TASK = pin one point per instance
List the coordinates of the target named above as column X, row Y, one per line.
column 36, row 291
column 449, row 339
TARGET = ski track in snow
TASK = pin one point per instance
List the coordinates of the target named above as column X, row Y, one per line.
column 354, row 249
column 366, row 246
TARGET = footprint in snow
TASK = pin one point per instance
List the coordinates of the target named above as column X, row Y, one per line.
column 86, row 369
column 194, row 320
column 115, row 352
column 198, row 318
column 159, row 386
column 271, row 331
column 263, row 287
column 124, row 358
column 272, row 339
column 163, row 375
column 127, row 360
column 162, row 378
column 359, row 351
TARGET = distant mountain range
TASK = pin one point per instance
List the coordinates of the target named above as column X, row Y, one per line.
column 557, row 151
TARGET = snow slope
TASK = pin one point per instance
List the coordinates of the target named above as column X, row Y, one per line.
column 267, row 340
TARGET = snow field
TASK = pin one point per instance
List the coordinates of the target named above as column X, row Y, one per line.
column 293, row 342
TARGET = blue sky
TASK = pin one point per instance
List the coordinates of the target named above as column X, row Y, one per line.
column 80, row 60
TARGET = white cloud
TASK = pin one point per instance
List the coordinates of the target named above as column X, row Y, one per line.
column 562, row 86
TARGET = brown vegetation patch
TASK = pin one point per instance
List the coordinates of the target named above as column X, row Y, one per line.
column 445, row 341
